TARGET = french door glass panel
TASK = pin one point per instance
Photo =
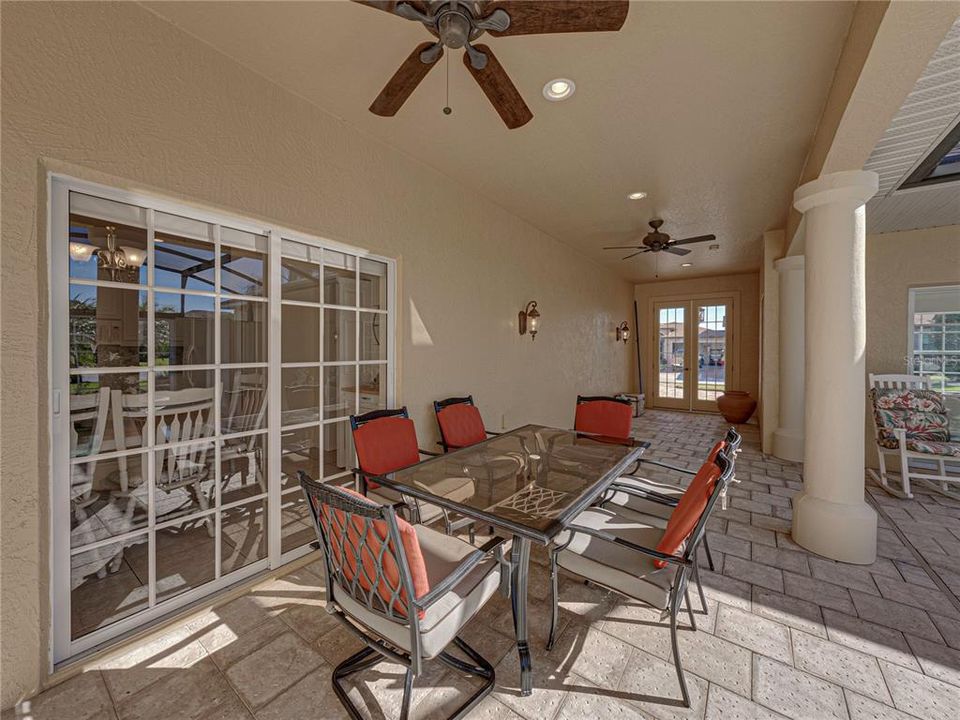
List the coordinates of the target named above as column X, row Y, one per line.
column 672, row 377
column 199, row 364
column 711, row 376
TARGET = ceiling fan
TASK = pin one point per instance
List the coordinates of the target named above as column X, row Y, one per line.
column 656, row 241
column 458, row 24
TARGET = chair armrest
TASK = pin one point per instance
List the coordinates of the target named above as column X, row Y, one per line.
column 645, row 494
column 461, row 571
column 645, row 461
column 656, row 554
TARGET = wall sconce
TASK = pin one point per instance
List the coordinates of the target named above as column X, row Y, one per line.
column 529, row 320
column 115, row 260
column 623, row 332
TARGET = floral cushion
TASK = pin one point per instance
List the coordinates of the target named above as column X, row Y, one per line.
column 950, row 449
column 900, row 399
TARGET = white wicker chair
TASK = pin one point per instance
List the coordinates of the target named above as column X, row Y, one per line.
column 935, row 470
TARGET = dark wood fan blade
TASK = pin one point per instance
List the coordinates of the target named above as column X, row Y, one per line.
column 538, row 17
column 499, row 89
column 403, row 82
column 624, row 247
column 390, row 6
column 634, row 254
column 691, row 240
column 675, row 250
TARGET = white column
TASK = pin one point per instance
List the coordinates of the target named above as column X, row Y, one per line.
column 788, row 439
column 830, row 516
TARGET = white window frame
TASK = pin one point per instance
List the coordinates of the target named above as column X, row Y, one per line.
column 62, row 649
column 911, row 305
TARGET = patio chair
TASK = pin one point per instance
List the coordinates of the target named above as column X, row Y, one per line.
column 386, row 440
column 910, row 421
column 603, row 415
column 246, row 407
column 643, row 560
column 637, row 495
column 88, row 423
column 405, row 591
column 460, row 423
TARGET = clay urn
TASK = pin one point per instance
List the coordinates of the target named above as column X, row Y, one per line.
column 736, row 406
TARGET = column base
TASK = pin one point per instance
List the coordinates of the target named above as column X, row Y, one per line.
column 840, row 531
column 788, row 444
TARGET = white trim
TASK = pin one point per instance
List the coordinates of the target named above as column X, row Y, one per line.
column 62, row 649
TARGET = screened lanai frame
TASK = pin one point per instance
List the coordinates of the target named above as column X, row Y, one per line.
column 64, row 647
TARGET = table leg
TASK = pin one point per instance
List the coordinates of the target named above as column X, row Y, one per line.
column 520, row 566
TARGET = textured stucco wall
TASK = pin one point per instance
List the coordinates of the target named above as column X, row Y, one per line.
column 897, row 262
column 110, row 92
column 747, row 375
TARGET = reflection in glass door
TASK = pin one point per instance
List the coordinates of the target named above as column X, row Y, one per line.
column 198, row 361
column 692, row 363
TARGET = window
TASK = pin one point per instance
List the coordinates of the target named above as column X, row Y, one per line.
column 935, row 336
column 198, row 361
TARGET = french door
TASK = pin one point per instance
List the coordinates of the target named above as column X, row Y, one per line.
column 197, row 362
column 692, row 352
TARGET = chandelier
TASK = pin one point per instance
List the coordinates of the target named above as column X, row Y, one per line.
column 115, row 260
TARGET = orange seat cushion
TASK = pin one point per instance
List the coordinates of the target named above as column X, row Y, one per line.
column 604, row 417
column 688, row 511
column 461, row 425
column 348, row 554
column 385, row 445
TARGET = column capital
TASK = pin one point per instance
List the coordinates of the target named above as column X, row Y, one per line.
column 790, row 262
column 853, row 187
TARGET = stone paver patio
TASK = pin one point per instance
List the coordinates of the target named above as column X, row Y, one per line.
column 787, row 633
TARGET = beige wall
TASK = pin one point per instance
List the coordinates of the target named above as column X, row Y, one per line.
column 112, row 93
column 895, row 263
column 746, row 286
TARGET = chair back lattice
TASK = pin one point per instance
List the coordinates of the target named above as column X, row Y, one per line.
column 363, row 550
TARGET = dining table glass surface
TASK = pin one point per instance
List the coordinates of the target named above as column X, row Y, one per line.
column 530, row 480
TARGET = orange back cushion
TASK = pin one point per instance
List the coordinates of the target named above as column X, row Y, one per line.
column 461, row 425
column 385, row 445
column 348, row 554
column 604, row 417
column 688, row 511
column 717, row 449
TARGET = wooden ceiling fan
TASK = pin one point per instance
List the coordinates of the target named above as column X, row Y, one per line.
column 458, row 23
column 656, row 241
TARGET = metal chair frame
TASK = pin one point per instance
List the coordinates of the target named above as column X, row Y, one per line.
column 361, row 476
column 686, row 562
column 401, row 607
column 439, row 405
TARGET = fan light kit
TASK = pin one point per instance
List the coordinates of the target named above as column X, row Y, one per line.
column 656, row 241
column 637, row 195
column 559, row 89
column 458, row 24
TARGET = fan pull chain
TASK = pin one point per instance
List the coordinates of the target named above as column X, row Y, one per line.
column 446, row 108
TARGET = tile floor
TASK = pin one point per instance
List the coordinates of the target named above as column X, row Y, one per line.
column 787, row 633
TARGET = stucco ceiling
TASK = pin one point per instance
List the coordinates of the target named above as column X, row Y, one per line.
column 707, row 107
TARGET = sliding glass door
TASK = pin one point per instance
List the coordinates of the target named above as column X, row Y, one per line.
column 197, row 362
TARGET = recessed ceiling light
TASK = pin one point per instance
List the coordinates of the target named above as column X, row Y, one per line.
column 686, row 264
column 559, row 89
column 637, row 195
column 715, row 246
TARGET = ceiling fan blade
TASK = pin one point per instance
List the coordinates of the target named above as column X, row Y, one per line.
column 499, row 89
column 675, row 250
column 691, row 240
column 403, row 82
column 635, row 254
column 537, row 17
column 624, row 247
column 390, row 6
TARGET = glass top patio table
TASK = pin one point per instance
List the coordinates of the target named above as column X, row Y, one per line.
column 531, row 481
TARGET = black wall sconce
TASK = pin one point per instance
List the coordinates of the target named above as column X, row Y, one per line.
column 529, row 320
column 623, row 332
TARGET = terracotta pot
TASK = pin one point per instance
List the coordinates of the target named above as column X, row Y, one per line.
column 736, row 406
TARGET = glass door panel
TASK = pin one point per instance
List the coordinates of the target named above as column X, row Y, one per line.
column 712, row 357
column 671, row 383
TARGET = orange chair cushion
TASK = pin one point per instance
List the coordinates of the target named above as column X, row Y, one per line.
column 688, row 511
column 717, row 449
column 334, row 521
column 604, row 417
column 385, row 445
column 461, row 425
